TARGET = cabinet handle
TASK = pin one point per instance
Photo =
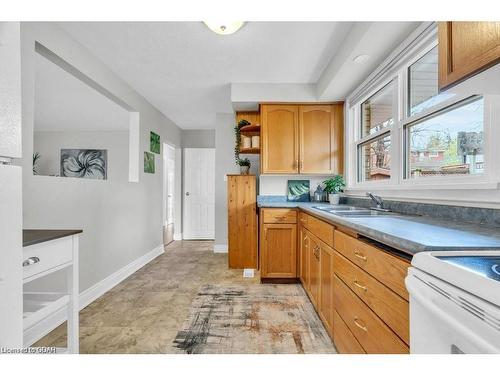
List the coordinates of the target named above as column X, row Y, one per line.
column 359, row 255
column 359, row 325
column 301, row 163
column 359, row 285
column 296, row 165
column 30, row 261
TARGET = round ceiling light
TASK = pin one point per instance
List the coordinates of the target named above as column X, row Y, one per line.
column 224, row 28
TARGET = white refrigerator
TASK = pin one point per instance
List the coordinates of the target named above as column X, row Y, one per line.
column 11, row 303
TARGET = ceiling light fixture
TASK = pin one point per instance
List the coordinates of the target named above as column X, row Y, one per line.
column 360, row 58
column 224, row 28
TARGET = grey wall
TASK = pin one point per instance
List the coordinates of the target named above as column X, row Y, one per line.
column 49, row 144
column 121, row 220
column 224, row 164
column 198, row 138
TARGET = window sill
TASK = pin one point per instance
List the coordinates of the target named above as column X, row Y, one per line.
column 425, row 186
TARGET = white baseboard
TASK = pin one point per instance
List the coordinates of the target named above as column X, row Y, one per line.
column 220, row 248
column 37, row 331
column 177, row 237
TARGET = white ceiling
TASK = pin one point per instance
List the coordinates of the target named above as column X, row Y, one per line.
column 185, row 70
column 64, row 103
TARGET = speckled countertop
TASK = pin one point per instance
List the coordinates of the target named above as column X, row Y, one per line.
column 407, row 233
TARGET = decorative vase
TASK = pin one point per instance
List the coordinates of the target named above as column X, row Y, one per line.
column 334, row 198
column 244, row 169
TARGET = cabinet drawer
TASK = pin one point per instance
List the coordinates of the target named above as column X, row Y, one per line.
column 279, row 215
column 386, row 268
column 320, row 229
column 47, row 255
column 389, row 306
column 371, row 332
column 344, row 340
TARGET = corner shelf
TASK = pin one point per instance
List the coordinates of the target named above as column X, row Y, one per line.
column 249, row 150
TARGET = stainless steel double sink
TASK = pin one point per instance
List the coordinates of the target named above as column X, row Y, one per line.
column 353, row 212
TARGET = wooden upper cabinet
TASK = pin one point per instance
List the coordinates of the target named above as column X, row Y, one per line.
column 320, row 139
column 279, row 133
column 302, row 138
column 466, row 48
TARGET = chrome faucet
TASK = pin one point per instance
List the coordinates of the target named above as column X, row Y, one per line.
column 379, row 202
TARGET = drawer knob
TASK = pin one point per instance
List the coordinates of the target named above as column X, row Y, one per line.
column 359, row 255
column 359, row 285
column 30, row 261
column 359, row 325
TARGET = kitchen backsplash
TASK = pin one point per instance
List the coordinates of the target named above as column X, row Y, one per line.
column 277, row 185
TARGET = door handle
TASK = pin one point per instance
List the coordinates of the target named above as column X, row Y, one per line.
column 30, row 261
column 187, row 193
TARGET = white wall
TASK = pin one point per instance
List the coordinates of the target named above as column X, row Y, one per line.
column 121, row 220
column 198, row 138
column 49, row 144
column 224, row 164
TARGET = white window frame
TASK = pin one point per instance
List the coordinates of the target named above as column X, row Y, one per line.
column 489, row 179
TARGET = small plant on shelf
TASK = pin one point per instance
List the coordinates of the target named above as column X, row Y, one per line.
column 36, row 159
column 334, row 186
column 243, row 163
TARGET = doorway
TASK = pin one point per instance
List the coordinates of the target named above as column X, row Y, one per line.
column 168, row 193
column 199, row 194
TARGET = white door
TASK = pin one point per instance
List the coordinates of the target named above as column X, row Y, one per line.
column 168, row 193
column 11, row 306
column 199, row 194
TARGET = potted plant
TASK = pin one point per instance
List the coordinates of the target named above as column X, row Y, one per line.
column 334, row 186
column 418, row 172
column 244, row 165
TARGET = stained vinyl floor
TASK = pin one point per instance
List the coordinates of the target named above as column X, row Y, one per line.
column 144, row 313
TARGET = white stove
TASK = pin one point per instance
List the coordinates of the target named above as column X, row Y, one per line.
column 455, row 302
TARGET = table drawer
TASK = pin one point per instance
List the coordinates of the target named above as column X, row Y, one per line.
column 344, row 340
column 370, row 331
column 386, row 268
column 388, row 305
column 279, row 216
column 42, row 257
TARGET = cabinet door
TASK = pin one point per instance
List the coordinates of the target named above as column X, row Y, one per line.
column 279, row 251
column 279, row 132
column 304, row 258
column 314, row 258
column 466, row 48
column 321, row 139
column 326, row 287
column 242, row 221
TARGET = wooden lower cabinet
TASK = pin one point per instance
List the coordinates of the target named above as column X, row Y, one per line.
column 370, row 331
column 304, row 249
column 314, row 269
column 326, row 287
column 278, row 251
column 345, row 342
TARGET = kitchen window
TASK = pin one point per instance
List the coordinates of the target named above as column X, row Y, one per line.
column 403, row 134
column 449, row 142
column 377, row 115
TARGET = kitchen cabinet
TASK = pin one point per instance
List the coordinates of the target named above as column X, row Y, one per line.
column 369, row 295
column 326, row 287
column 279, row 138
column 278, row 244
column 304, row 257
column 302, row 139
column 466, row 48
column 242, row 221
column 314, row 269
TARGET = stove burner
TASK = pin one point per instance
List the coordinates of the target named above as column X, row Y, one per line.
column 496, row 268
